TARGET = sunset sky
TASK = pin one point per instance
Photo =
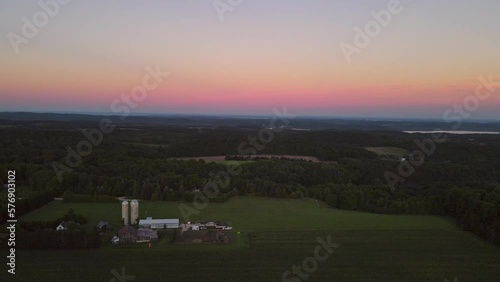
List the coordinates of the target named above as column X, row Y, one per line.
column 263, row 54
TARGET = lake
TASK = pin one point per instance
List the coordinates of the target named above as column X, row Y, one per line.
column 454, row 132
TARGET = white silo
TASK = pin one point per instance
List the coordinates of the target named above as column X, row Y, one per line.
column 134, row 211
column 125, row 212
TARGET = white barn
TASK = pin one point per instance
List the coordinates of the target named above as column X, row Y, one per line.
column 159, row 223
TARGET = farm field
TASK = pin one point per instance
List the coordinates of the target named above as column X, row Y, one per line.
column 274, row 236
column 389, row 151
column 251, row 213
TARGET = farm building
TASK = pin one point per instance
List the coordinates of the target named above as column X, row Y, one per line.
column 62, row 226
column 103, row 226
column 67, row 225
column 197, row 226
column 134, row 211
column 115, row 240
column 127, row 234
column 159, row 223
column 146, row 235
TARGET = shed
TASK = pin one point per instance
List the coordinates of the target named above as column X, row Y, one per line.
column 104, row 226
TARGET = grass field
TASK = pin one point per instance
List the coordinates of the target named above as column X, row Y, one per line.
column 392, row 152
column 274, row 235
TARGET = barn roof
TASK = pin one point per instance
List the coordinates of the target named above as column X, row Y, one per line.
column 150, row 221
column 128, row 228
column 144, row 232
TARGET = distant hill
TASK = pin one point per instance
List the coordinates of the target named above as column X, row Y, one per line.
column 300, row 123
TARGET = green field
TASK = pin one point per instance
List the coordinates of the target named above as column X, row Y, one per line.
column 392, row 152
column 274, row 235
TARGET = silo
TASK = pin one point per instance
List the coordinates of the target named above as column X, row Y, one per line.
column 125, row 212
column 134, row 212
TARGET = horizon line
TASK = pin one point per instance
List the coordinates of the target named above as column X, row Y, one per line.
column 372, row 118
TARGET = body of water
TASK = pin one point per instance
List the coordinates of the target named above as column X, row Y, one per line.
column 454, row 132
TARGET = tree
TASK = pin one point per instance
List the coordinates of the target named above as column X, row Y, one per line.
column 165, row 194
column 119, row 189
column 136, row 190
column 155, row 197
column 147, row 191
column 331, row 200
column 347, row 200
column 54, row 185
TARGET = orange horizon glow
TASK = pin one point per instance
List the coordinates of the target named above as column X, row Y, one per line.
column 255, row 60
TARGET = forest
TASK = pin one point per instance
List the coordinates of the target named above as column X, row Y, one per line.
column 459, row 179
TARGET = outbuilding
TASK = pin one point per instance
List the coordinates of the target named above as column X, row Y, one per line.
column 104, row 226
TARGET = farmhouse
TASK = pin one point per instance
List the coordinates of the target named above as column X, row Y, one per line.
column 62, row 226
column 127, row 234
column 159, row 223
column 146, row 235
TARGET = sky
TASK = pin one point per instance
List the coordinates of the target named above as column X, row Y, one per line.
column 247, row 57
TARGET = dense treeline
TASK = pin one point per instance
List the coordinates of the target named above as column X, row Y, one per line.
column 70, row 197
column 71, row 238
column 42, row 145
column 43, row 234
column 70, row 218
column 25, row 205
column 477, row 209
column 460, row 179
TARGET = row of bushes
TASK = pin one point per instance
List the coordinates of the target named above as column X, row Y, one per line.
column 26, row 205
column 70, row 217
column 77, row 238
